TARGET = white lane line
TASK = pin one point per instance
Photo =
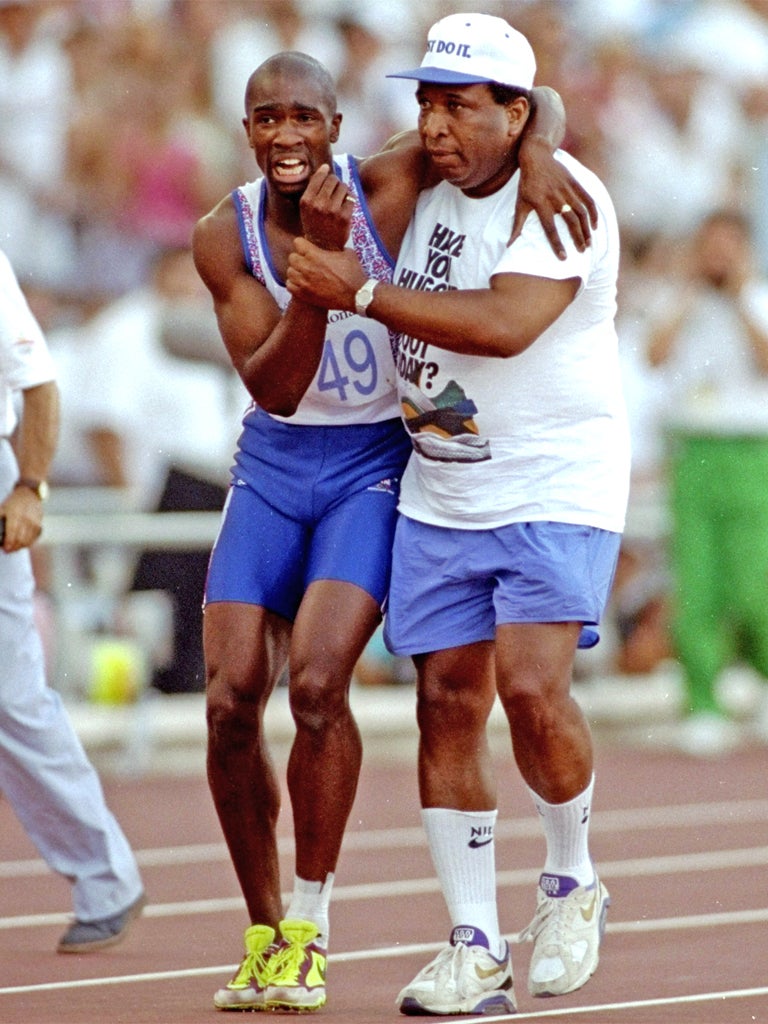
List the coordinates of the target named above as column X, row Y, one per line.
column 423, row 949
column 635, row 819
column 648, row 867
column 637, row 1004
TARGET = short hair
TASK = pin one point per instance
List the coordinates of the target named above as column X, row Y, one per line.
column 303, row 65
column 504, row 94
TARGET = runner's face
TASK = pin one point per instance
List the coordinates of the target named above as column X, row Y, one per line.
column 290, row 128
column 468, row 136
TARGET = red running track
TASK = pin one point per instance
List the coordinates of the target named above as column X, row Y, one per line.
column 681, row 844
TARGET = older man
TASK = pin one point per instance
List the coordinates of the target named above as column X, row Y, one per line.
column 512, row 504
column 300, row 570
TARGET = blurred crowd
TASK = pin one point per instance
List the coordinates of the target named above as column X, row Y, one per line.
column 122, row 118
column 121, row 125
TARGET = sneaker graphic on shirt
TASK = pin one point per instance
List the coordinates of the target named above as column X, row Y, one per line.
column 443, row 428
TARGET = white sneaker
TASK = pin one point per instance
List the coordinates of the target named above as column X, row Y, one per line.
column 463, row 978
column 566, row 931
column 707, row 734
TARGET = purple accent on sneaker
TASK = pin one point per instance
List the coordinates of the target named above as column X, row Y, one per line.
column 557, row 885
column 468, row 935
column 499, row 1004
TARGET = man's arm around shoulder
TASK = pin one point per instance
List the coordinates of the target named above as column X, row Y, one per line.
column 392, row 180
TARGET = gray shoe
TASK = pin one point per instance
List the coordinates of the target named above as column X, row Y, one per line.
column 85, row 936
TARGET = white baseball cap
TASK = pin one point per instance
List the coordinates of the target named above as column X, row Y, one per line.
column 465, row 49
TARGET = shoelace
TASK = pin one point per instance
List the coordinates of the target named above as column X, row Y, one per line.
column 550, row 917
column 287, row 961
column 450, row 965
column 255, row 965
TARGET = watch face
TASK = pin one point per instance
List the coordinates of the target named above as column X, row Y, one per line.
column 364, row 297
column 38, row 487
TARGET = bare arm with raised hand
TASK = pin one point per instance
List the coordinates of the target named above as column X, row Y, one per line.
column 275, row 353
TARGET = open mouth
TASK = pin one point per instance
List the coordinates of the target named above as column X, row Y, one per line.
column 290, row 168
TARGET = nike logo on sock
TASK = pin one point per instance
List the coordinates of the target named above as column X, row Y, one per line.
column 480, row 836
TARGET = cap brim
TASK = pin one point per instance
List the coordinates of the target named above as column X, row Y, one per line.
column 440, row 77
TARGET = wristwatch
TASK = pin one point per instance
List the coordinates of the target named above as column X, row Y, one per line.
column 39, row 487
column 364, row 296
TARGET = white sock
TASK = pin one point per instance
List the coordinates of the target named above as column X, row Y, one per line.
column 310, row 901
column 463, row 852
column 566, row 829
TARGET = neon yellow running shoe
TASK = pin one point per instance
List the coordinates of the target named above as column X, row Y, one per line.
column 246, row 990
column 297, row 970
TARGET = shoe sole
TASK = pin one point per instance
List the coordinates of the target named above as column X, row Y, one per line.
column 495, row 1005
column 134, row 911
column 242, row 1007
column 252, row 1006
column 284, row 1006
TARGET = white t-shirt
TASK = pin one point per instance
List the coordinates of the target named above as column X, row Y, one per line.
column 539, row 436
column 25, row 360
column 167, row 410
column 712, row 384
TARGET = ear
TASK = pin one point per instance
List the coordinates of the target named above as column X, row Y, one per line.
column 335, row 127
column 518, row 112
column 247, row 132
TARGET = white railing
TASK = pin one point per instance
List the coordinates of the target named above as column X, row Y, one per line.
column 104, row 525
column 168, row 530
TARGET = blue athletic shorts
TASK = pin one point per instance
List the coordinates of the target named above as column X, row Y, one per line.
column 453, row 587
column 308, row 503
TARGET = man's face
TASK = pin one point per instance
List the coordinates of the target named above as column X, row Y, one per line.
column 468, row 136
column 290, row 128
column 723, row 248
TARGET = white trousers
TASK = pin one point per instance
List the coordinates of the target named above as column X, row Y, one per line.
column 44, row 772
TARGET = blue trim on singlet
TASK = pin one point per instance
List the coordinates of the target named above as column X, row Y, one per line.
column 237, row 199
column 266, row 251
column 354, row 175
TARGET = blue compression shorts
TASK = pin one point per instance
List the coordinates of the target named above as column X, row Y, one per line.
column 308, row 503
column 453, row 587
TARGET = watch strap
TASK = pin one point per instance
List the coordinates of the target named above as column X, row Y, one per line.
column 364, row 296
column 38, row 487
